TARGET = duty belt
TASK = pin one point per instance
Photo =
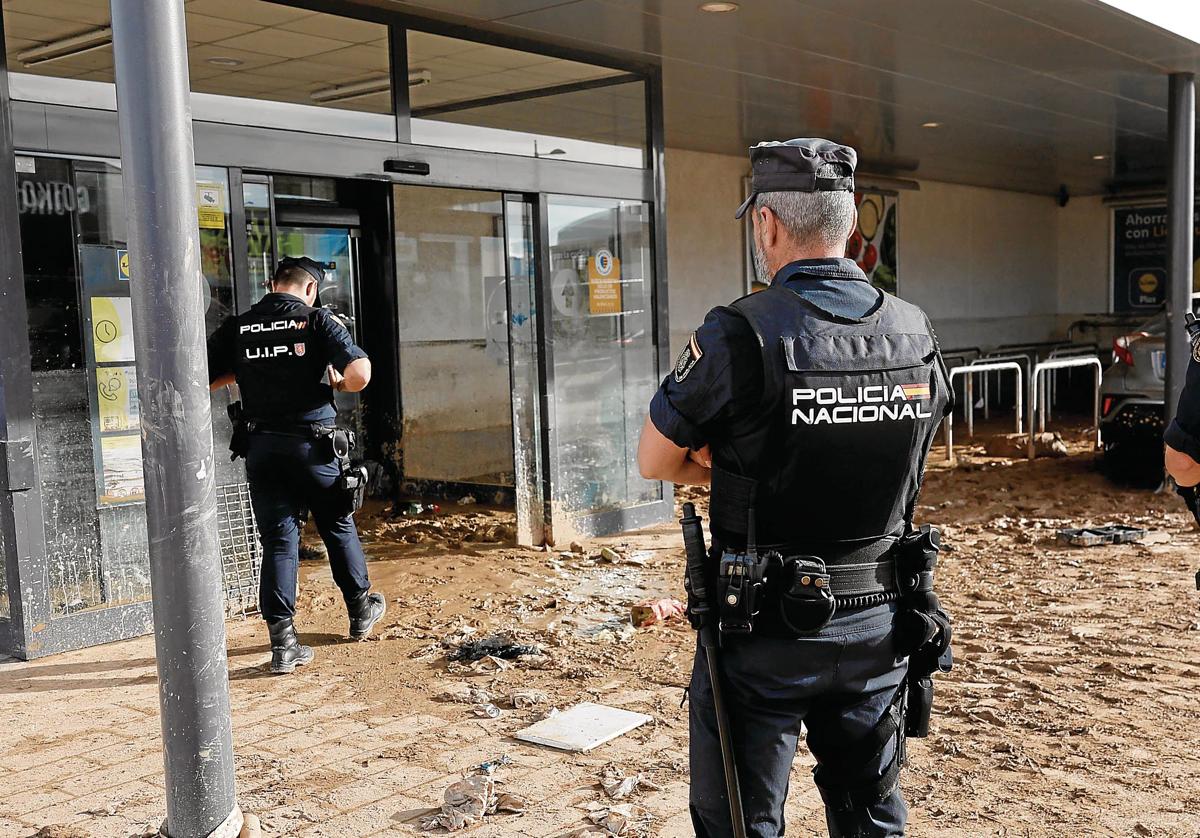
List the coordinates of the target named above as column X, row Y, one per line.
column 856, row 580
column 305, row 430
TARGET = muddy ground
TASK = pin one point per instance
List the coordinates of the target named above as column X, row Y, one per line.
column 1072, row 708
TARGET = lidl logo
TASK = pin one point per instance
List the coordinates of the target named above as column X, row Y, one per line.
column 123, row 265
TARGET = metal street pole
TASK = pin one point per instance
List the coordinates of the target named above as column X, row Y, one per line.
column 1181, row 194
column 150, row 49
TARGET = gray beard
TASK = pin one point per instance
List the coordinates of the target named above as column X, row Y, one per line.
column 760, row 266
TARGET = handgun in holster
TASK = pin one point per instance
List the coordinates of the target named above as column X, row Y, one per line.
column 923, row 627
column 352, row 482
column 239, row 440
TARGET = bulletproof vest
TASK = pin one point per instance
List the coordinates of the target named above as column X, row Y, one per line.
column 832, row 459
column 280, row 366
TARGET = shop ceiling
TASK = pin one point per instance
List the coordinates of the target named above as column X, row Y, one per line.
column 264, row 50
column 1017, row 94
column 1025, row 94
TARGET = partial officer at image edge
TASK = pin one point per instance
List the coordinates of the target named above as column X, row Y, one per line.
column 1182, row 437
column 288, row 356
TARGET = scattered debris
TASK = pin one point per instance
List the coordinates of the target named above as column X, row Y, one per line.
column 582, row 727
column 610, row 632
column 576, row 547
column 464, row 694
column 618, row 785
column 614, row 556
column 489, row 767
column 1016, row 446
column 651, row 611
column 624, row 819
column 467, row 500
column 493, row 646
column 61, row 831
column 1096, row 536
column 486, row 711
column 524, row 699
column 468, row 801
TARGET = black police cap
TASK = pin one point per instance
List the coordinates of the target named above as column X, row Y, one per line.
column 792, row 167
column 310, row 266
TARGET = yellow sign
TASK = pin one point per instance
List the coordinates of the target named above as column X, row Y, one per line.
column 112, row 329
column 121, row 469
column 604, row 283
column 123, row 265
column 210, row 206
column 116, row 391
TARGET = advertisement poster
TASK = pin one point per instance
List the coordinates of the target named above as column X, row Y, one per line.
column 604, row 283
column 873, row 243
column 112, row 329
column 121, row 469
column 1139, row 260
column 117, row 399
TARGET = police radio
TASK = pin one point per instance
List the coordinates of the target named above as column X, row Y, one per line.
column 1193, row 329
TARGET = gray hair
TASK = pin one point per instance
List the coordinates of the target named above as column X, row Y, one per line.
column 824, row 217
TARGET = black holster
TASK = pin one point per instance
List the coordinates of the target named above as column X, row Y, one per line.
column 352, row 484
column 239, row 440
column 923, row 627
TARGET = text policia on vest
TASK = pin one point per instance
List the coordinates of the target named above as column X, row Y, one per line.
column 868, row 403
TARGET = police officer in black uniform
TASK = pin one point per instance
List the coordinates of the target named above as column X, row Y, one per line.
column 287, row 358
column 810, row 407
column 1182, row 437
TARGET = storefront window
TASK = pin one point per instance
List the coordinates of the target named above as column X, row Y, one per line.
column 470, row 95
column 603, row 349
column 85, row 400
column 306, row 71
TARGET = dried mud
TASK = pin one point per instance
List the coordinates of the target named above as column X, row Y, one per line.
column 1072, row 708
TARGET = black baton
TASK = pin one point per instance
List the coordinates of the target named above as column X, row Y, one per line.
column 705, row 624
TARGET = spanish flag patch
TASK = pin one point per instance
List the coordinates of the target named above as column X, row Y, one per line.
column 915, row 391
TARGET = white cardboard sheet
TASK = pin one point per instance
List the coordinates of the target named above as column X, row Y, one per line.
column 582, row 727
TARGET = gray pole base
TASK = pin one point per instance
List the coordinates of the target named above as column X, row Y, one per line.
column 236, row 825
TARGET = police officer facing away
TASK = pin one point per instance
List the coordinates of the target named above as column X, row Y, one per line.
column 287, row 358
column 810, row 407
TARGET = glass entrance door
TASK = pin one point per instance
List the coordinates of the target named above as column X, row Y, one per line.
column 337, row 249
column 601, row 363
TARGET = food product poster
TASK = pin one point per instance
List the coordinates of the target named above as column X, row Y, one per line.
column 604, row 283
column 873, row 245
column 121, row 469
column 112, row 329
column 1139, row 258
column 117, row 399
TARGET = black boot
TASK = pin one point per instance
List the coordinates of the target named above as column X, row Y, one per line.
column 286, row 651
column 365, row 611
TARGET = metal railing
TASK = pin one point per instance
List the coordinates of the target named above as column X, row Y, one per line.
column 988, row 358
column 970, row 371
column 1050, row 384
column 1038, row 396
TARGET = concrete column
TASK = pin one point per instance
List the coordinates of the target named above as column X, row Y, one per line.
column 1181, row 192
column 154, row 112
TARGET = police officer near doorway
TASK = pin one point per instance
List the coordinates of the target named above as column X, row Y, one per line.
column 810, row 407
column 288, row 357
